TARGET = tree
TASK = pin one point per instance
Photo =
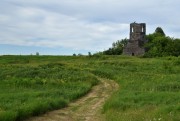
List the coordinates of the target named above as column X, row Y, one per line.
column 160, row 31
column 117, row 47
column 80, row 54
column 176, row 47
column 37, row 53
column 160, row 45
column 89, row 54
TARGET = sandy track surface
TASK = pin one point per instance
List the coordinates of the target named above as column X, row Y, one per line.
column 87, row 108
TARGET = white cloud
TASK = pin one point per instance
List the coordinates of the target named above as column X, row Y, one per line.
column 81, row 24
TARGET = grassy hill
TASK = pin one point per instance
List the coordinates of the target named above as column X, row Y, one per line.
column 31, row 85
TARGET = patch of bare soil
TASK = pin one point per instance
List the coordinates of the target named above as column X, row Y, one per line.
column 87, row 108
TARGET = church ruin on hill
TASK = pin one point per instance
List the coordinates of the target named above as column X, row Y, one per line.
column 137, row 39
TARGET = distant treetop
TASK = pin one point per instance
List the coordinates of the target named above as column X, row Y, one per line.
column 159, row 30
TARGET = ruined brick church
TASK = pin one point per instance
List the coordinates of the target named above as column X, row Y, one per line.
column 137, row 39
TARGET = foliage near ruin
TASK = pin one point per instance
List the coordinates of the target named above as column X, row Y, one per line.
column 158, row 45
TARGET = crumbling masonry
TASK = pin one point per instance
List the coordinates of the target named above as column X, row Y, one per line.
column 137, row 39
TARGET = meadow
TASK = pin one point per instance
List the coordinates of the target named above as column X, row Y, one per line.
column 30, row 86
column 149, row 87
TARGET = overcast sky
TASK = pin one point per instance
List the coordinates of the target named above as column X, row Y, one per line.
column 64, row 27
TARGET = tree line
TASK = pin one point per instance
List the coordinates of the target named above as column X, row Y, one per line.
column 158, row 45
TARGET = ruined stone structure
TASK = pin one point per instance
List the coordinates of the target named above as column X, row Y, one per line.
column 136, row 40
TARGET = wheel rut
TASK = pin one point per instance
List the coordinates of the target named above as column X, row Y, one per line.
column 87, row 108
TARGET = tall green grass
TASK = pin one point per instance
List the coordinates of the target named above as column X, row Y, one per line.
column 149, row 89
column 28, row 90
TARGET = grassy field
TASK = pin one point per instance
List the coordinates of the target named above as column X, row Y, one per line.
column 33, row 85
column 149, row 88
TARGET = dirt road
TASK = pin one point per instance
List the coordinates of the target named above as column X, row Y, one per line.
column 87, row 108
